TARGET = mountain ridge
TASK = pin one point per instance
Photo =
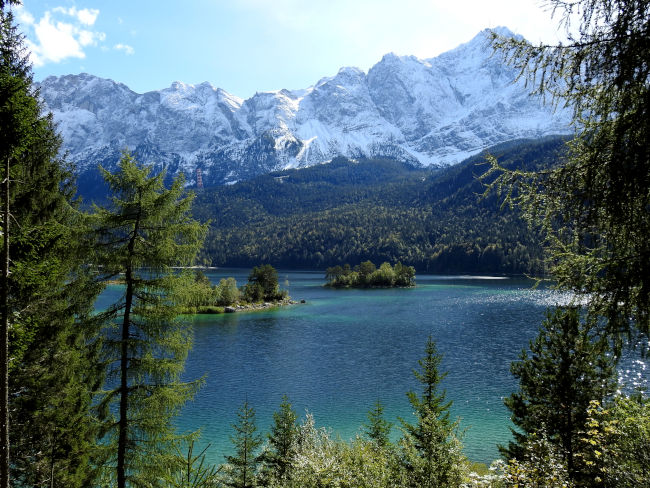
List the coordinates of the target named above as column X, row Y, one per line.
column 436, row 111
column 348, row 211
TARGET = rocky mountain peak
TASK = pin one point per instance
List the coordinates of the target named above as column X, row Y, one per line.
column 432, row 111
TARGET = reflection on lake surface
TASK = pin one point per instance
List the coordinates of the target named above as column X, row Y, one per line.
column 342, row 350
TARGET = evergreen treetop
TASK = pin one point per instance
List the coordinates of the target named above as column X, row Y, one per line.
column 246, row 442
column 431, row 401
column 145, row 231
column 378, row 428
column 278, row 457
column 567, row 368
column 430, row 450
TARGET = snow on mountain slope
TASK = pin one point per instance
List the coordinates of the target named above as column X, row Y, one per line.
column 434, row 111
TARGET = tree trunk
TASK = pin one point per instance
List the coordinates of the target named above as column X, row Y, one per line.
column 124, row 363
column 124, row 397
column 4, row 338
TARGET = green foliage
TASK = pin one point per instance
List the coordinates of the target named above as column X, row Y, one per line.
column 278, row 456
column 615, row 442
column 320, row 461
column 378, row 428
column 431, row 451
column 383, row 211
column 200, row 296
column 198, row 292
column 190, row 470
column 432, row 456
column 227, row 292
column 366, row 275
column 568, row 367
column 365, row 270
column 53, row 349
column 145, row 231
column 541, row 465
column 241, row 471
column 263, row 285
column 481, row 476
column 304, row 456
column 593, row 208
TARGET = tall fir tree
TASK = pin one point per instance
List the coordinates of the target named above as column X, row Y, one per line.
column 146, row 230
column 278, row 456
column 431, row 400
column 49, row 338
column 246, row 441
column 430, row 449
column 567, row 368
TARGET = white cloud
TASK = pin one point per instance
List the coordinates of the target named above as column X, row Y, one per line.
column 60, row 34
column 23, row 16
column 86, row 16
column 124, row 47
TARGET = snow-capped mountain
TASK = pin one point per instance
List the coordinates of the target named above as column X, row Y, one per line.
column 431, row 111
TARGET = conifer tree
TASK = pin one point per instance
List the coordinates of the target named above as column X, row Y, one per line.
column 278, row 457
column 430, row 449
column 49, row 340
column 378, row 428
column 430, row 400
column 146, row 230
column 593, row 206
column 246, row 441
column 568, row 367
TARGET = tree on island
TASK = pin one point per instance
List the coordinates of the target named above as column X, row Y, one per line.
column 263, row 285
column 201, row 296
column 145, row 231
column 366, row 275
column 365, row 270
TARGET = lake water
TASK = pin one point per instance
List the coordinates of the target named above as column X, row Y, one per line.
column 343, row 350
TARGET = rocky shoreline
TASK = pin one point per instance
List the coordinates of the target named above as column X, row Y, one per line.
column 249, row 307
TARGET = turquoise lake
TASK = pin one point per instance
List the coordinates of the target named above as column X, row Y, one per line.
column 343, row 350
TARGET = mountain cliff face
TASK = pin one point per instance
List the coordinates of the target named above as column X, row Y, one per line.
column 431, row 112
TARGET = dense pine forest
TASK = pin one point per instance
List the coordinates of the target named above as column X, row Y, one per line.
column 436, row 220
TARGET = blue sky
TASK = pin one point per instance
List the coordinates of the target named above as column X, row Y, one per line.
column 244, row 46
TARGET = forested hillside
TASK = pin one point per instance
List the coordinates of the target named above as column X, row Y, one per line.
column 381, row 210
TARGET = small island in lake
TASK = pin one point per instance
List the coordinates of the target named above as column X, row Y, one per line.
column 200, row 296
column 366, row 275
